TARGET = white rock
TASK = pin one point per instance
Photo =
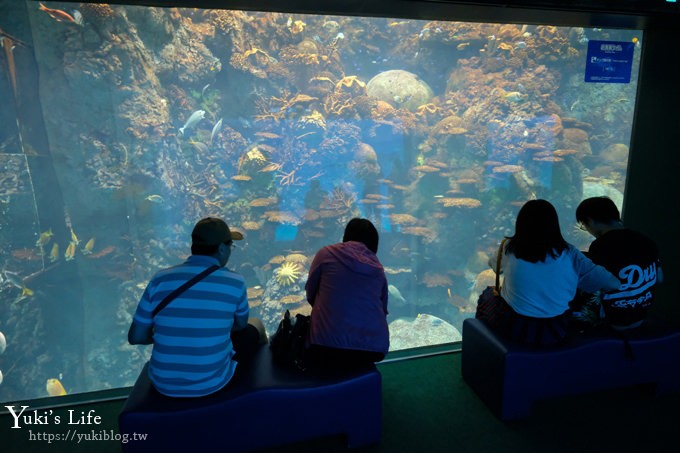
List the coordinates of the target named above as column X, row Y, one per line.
column 424, row 330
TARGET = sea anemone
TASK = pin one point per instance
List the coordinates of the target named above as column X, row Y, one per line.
column 288, row 273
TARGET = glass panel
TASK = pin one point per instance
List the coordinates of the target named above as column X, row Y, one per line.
column 286, row 126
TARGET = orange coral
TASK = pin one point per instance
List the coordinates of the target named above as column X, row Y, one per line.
column 433, row 280
column 451, row 125
column 252, row 303
column 101, row 11
column 575, row 135
column 284, row 217
column 259, row 202
column 278, row 259
column 377, row 196
column 292, row 299
column 507, row 169
column 564, row 152
column 310, row 215
column 459, row 202
column 403, row 219
column 297, row 258
column 548, row 159
column 426, row 233
column 250, row 226
column 426, row 169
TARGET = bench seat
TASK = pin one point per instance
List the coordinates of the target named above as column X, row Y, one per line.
column 509, row 377
column 263, row 406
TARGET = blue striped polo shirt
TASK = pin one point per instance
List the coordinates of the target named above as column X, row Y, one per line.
column 192, row 351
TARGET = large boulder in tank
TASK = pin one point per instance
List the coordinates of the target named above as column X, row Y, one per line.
column 400, row 89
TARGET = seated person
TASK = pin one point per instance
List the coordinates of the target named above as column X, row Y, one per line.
column 347, row 290
column 628, row 254
column 542, row 272
column 198, row 337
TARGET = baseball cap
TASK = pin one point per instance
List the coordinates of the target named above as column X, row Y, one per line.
column 212, row 231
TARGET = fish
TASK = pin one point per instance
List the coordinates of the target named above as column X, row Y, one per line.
column 103, row 252
column 54, row 254
column 397, row 23
column 193, row 120
column 27, row 254
column 70, row 251
column 462, row 46
column 54, row 387
column 340, row 36
column 514, row 96
column 74, row 238
column 215, row 130
column 216, row 65
column 77, row 17
column 200, row 147
column 396, row 294
column 203, row 90
column 58, row 15
column 26, row 292
column 87, row 250
column 1, row 377
column 3, row 343
column 399, row 100
column 155, row 198
column 14, row 279
column 44, row 238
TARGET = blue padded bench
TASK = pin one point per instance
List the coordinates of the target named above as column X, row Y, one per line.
column 264, row 406
column 509, row 377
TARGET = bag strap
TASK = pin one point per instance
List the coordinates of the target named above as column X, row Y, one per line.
column 169, row 298
column 499, row 256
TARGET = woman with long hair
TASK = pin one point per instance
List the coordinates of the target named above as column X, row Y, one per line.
column 542, row 272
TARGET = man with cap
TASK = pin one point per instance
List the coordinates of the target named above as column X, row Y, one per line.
column 199, row 336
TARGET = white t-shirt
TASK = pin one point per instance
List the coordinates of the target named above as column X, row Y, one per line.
column 544, row 289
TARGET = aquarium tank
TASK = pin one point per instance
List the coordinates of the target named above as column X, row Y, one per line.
column 130, row 123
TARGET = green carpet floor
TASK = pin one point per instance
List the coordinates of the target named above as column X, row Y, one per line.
column 428, row 408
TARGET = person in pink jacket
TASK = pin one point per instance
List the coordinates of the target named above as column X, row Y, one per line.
column 347, row 290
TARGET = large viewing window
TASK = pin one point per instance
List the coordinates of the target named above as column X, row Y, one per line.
column 122, row 126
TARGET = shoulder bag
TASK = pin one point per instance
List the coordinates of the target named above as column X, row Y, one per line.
column 490, row 303
column 195, row 279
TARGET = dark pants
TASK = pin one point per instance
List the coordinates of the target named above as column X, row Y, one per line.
column 500, row 317
column 340, row 359
column 245, row 342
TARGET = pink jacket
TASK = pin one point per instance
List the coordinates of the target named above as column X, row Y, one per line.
column 347, row 289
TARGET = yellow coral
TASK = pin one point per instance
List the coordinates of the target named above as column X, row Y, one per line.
column 288, row 273
column 297, row 258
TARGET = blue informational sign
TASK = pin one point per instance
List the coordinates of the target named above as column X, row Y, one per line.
column 609, row 61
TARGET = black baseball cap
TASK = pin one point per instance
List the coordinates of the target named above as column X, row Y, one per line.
column 213, row 231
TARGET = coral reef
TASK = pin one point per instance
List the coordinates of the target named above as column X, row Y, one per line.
column 288, row 273
column 297, row 127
